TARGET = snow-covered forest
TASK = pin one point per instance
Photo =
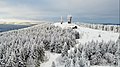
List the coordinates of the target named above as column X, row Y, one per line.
column 90, row 54
column 27, row 47
column 114, row 28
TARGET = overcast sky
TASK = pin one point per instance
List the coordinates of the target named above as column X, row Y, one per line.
column 53, row 8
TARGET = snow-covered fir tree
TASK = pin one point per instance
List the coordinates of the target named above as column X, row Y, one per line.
column 65, row 49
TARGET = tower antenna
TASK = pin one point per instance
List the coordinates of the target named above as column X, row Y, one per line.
column 69, row 17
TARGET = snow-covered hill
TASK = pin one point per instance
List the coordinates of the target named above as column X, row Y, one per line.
column 91, row 34
column 87, row 36
column 49, row 44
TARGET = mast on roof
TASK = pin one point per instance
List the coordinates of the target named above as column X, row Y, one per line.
column 61, row 19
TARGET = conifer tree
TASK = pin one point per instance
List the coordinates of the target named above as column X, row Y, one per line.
column 65, row 49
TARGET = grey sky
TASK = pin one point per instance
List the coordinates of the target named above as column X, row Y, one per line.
column 51, row 8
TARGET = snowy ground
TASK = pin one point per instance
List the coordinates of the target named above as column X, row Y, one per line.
column 92, row 34
column 52, row 57
column 87, row 35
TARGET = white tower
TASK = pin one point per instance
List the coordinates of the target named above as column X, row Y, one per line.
column 69, row 18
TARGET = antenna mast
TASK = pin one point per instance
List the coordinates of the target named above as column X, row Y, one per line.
column 61, row 19
column 69, row 17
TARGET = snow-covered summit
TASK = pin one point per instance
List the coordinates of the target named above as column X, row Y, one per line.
column 65, row 25
column 87, row 35
column 90, row 34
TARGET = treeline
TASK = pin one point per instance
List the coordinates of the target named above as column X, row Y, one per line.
column 91, row 53
column 114, row 28
column 26, row 47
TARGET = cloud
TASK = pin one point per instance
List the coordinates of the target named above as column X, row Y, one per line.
column 44, row 8
column 17, row 11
